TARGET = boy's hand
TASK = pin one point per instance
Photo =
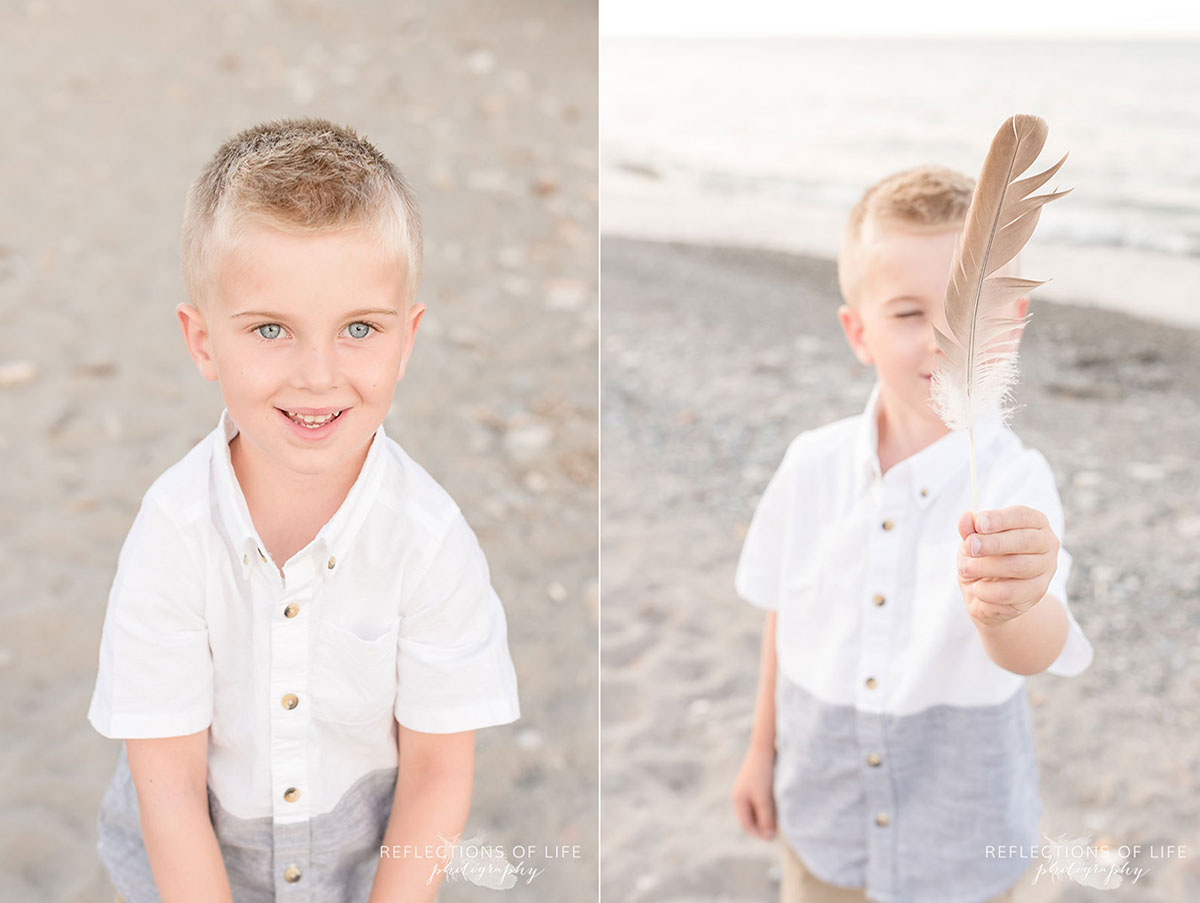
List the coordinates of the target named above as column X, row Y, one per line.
column 1005, row 562
column 753, row 797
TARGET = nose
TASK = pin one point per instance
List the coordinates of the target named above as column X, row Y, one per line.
column 316, row 368
column 932, row 345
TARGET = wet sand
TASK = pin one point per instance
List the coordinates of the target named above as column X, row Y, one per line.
column 110, row 111
column 712, row 359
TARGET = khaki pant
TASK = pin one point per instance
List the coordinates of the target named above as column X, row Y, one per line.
column 799, row 885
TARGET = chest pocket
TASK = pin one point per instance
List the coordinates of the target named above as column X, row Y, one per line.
column 354, row 677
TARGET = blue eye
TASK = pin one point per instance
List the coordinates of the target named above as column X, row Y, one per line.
column 360, row 330
column 265, row 331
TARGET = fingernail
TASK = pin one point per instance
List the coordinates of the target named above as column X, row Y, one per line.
column 975, row 545
column 984, row 523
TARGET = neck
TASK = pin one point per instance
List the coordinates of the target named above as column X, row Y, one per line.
column 902, row 432
column 276, row 498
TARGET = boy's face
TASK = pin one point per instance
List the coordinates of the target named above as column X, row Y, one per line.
column 312, row 324
column 901, row 297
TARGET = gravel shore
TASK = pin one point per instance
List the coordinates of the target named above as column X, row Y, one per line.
column 712, row 359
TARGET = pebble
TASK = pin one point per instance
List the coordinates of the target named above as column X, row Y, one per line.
column 481, row 61
column 535, row 482
column 17, row 373
column 530, row 739
column 565, row 294
column 699, row 708
column 1145, row 473
column 525, row 443
column 556, row 591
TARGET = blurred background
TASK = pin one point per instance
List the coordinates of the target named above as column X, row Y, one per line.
column 111, row 110
column 734, row 141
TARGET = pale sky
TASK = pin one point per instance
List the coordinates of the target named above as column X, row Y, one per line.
column 1016, row 18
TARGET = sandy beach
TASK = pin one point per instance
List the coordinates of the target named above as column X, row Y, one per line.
column 110, row 111
column 712, row 359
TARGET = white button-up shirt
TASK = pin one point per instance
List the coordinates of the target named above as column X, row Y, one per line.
column 387, row 615
column 886, row 698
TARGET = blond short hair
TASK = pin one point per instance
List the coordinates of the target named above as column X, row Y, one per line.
column 923, row 199
column 296, row 175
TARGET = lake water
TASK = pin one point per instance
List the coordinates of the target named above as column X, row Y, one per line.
column 768, row 142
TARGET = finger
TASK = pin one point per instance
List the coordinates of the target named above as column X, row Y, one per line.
column 1007, row 567
column 765, row 812
column 1024, row 541
column 966, row 524
column 1006, row 592
column 1011, row 518
column 745, row 813
column 744, row 809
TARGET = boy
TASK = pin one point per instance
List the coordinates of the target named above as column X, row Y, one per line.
column 301, row 637
column 892, row 734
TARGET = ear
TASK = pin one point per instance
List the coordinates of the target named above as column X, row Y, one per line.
column 411, row 320
column 852, row 326
column 199, row 345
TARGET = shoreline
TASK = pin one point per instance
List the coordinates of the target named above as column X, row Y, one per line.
column 638, row 207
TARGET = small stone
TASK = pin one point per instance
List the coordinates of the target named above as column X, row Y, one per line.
column 488, row 180
column 512, row 257
column 1088, row 479
column 1145, row 473
column 565, row 294
column 536, row 482
column 481, row 61
column 17, row 373
column 530, row 739
column 525, row 443
column 556, row 591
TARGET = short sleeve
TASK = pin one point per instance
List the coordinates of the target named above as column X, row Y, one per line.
column 760, row 567
column 453, row 669
column 155, row 677
column 1032, row 484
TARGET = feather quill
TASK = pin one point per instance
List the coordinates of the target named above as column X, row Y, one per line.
column 978, row 363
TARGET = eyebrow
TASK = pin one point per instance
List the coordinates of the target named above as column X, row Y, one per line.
column 366, row 311
column 911, row 299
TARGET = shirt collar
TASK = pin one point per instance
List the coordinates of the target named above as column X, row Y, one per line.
column 332, row 541
column 930, row 469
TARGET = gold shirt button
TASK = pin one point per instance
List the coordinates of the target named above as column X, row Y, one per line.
column 291, row 794
column 332, row 562
column 290, row 701
column 261, row 555
column 291, row 610
column 245, row 559
column 879, row 599
column 874, row 760
column 870, row 683
column 881, row 819
column 924, row 493
column 291, row 874
column 887, row 525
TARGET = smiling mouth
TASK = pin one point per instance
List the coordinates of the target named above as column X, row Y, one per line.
column 311, row 421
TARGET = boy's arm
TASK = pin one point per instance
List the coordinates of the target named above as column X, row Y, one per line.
column 171, row 777
column 762, row 736
column 752, row 797
column 433, row 797
column 1005, row 565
